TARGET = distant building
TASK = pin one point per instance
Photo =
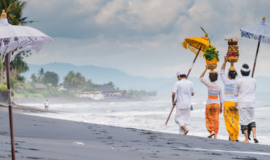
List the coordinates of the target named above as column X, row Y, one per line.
column 61, row 88
column 108, row 91
column 91, row 95
column 40, row 86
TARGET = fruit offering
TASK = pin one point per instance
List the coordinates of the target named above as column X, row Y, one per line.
column 233, row 51
column 214, row 61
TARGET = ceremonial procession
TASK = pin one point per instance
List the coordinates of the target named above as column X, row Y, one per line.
column 135, row 79
column 237, row 101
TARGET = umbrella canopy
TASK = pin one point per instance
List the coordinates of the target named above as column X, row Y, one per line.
column 260, row 32
column 195, row 43
column 20, row 38
column 16, row 39
column 255, row 31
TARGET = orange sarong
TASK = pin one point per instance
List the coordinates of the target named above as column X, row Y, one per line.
column 212, row 117
column 231, row 118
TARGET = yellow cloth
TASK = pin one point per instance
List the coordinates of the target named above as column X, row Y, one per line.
column 231, row 118
column 195, row 43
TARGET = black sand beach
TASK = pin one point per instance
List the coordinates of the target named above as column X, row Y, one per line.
column 52, row 139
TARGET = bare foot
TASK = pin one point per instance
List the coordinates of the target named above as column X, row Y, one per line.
column 255, row 140
column 186, row 132
column 246, row 141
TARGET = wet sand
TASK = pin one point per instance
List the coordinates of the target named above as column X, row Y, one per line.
column 53, row 139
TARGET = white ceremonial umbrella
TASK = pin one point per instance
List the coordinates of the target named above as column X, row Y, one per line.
column 13, row 40
column 260, row 32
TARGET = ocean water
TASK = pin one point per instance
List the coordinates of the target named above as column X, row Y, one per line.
column 152, row 115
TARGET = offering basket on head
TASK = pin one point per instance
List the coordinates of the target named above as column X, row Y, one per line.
column 233, row 52
column 212, row 65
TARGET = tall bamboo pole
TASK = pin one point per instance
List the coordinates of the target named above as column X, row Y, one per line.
column 10, row 108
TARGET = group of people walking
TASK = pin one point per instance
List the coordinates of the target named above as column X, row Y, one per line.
column 237, row 102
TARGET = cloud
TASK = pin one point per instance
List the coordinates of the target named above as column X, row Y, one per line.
column 143, row 37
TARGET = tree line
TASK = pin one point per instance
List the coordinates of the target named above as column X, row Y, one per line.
column 75, row 82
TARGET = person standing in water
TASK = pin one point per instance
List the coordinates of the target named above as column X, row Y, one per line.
column 230, row 111
column 213, row 104
column 245, row 88
column 184, row 90
column 46, row 105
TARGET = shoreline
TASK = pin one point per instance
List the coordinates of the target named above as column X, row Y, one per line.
column 62, row 100
column 47, row 138
column 25, row 109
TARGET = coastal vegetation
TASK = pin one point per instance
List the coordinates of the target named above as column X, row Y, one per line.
column 45, row 84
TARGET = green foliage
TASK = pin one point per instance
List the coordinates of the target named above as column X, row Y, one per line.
column 13, row 82
column 111, row 84
column 203, row 31
column 40, row 73
column 50, row 78
column 211, row 53
column 14, row 12
column 1, row 64
column 21, row 78
column 3, row 87
column 19, row 65
column 73, row 81
column 34, row 78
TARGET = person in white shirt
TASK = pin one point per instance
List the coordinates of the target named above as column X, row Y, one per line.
column 184, row 90
column 245, row 88
column 46, row 104
column 230, row 111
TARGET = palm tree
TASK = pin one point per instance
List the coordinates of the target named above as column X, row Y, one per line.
column 14, row 10
column 80, row 80
column 34, row 78
column 17, row 66
column 40, row 73
column 74, row 80
column 69, row 80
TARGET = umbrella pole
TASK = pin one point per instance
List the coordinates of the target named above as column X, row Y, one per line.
column 187, row 77
column 194, row 61
column 10, row 108
column 259, row 42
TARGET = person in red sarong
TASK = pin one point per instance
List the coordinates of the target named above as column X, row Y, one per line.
column 213, row 103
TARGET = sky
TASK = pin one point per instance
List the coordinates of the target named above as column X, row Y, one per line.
column 143, row 37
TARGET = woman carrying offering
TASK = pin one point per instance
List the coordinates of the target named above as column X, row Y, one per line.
column 213, row 103
column 230, row 112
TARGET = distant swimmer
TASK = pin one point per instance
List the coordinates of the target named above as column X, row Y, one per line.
column 184, row 90
column 46, row 105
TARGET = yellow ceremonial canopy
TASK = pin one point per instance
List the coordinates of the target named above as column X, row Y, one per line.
column 195, row 43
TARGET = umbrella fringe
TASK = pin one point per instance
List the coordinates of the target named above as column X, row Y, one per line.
column 21, row 44
column 195, row 50
column 255, row 37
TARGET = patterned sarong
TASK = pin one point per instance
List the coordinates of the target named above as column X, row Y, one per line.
column 212, row 117
column 231, row 118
